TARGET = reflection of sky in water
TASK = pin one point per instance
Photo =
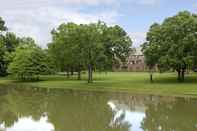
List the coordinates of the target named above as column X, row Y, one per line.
column 134, row 119
column 125, row 117
column 28, row 124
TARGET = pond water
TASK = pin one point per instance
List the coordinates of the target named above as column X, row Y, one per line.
column 34, row 109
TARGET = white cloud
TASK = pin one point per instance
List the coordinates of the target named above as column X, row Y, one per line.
column 146, row 2
column 149, row 2
column 90, row 2
column 138, row 38
column 35, row 3
column 36, row 18
column 195, row 7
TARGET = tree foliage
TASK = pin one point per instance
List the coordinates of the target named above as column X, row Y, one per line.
column 173, row 44
column 30, row 61
column 8, row 43
column 92, row 46
column 2, row 25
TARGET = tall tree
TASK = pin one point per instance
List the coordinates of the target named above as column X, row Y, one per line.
column 66, row 48
column 2, row 48
column 93, row 46
column 117, row 44
column 173, row 44
column 8, row 43
column 2, row 25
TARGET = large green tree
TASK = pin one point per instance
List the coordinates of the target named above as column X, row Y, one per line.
column 172, row 44
column 66, row 48
column 92, row 46
column 117, row 45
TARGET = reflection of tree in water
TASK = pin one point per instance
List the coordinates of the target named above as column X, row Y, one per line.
column 6, row 115
column 84, row 111
column 15, row 104
column 178, row 115
column 65, row 110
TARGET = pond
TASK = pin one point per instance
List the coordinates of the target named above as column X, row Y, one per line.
column 35, row 109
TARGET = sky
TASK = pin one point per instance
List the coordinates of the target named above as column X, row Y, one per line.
column 36, row 18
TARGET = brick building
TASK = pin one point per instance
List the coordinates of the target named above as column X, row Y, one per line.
column 135, row 62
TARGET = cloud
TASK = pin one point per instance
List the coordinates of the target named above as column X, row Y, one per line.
column 90, row 2
column 36, row 18
column 138, row 38
column 35, row 3
column 149, row 2
column 146, row 2
column 195, row 7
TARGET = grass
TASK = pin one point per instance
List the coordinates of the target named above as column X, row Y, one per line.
column 138, row 83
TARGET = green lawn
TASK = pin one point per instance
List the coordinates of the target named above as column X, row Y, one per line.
column 137, row 83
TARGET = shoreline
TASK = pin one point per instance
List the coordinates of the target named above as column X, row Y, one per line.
column 121, row 82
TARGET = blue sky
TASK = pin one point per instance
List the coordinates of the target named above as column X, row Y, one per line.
column 36, row 18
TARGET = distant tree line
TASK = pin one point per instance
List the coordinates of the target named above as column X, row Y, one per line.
column 170, row 46
column 74, row 48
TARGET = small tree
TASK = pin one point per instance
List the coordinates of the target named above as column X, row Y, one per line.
column 29, row 62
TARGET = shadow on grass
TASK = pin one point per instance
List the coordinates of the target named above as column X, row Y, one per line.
column 174, row 80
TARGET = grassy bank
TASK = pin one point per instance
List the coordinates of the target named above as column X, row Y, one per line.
column 138, row 83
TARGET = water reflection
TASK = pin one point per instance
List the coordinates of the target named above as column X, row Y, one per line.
column 123, row 116
column 34, row 109
column 28, row 124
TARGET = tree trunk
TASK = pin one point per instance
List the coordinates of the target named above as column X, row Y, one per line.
column 72, row 71
column 90, row 73
column 183, row 75
column 79, row 72
column 151, row 74
column 68, row 74
column 151, row 77
column 79, row 75
column 179, row 75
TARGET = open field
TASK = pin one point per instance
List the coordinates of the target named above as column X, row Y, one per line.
column 137, row 83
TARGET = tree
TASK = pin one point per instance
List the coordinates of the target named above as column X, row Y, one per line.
column 30, row 61
column 65, row 49
column 117, row 44
column 92, row 46
column 2, row 48
column 150, row 50
column 2, row 62
column 8, row 42
column 173, row 44
column 2, row 25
